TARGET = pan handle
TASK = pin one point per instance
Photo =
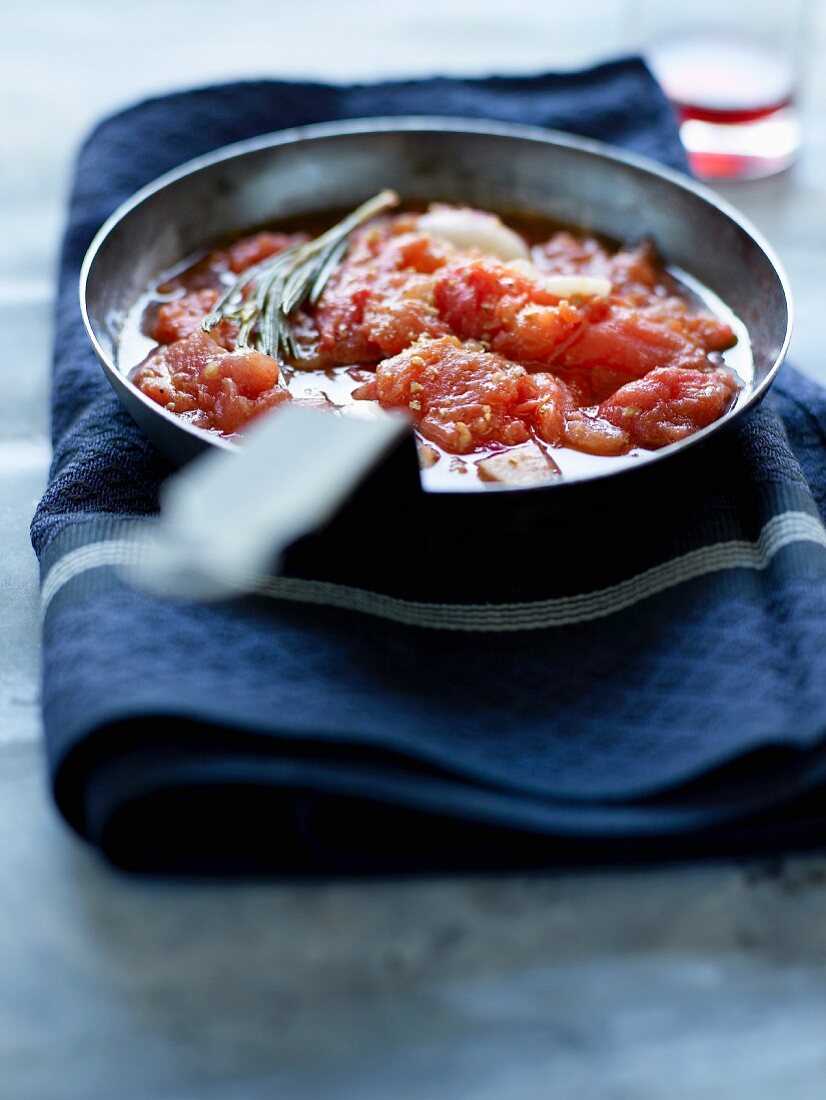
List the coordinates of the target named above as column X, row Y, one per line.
column 227, row 518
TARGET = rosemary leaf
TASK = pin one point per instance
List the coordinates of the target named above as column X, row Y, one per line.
column 263, row 298
column 332, row 262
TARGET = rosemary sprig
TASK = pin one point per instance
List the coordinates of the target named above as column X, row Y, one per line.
column 262, row 300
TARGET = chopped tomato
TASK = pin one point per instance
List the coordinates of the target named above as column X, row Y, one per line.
column 481, row 353
column 556, row 418
column 260, row 246
column 669, row 404
column 460, row 396
column 402, row 312
column 632, row 341
column 632, row 271
column 222, row 389
column 463, row 397
column 183, row 316
column 381, row 297
column 594, row 434
column 487, row 300
column 590, row 385
column 544, row 405
column 703, row 330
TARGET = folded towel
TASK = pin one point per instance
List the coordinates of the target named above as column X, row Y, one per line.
column 668, row 696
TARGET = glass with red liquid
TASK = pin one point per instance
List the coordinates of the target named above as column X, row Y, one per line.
column 732, row 70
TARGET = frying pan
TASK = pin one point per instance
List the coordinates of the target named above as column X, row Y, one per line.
column 492, row 165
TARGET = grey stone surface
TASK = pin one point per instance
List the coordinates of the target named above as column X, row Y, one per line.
column 673, row 983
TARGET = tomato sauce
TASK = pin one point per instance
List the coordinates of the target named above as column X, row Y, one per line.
column 520, row 357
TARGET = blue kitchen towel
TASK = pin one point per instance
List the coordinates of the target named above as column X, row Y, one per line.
column 667, row 696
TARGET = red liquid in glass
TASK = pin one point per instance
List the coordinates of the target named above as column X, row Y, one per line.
column 735, row 103
column 728, row 117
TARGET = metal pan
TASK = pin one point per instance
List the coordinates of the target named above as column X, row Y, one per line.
column 499, row 166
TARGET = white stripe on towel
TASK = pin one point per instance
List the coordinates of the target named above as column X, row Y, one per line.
column 781, row 531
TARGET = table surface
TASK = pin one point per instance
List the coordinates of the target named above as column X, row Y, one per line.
column 678, row 982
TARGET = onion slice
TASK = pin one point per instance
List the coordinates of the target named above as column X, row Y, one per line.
column 474, row 229
column 576, row 286
column 564, row 286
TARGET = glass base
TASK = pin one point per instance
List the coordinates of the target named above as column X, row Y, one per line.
column 742, row 150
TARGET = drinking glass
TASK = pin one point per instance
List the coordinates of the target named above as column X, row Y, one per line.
column 732, row 70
